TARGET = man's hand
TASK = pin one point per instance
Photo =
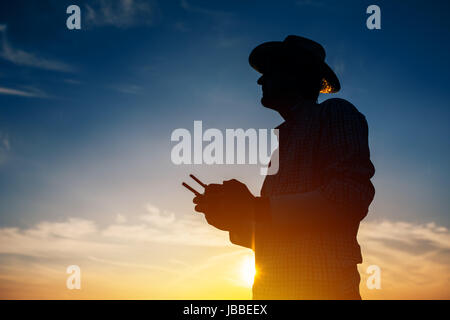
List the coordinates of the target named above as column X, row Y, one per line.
column 226, row 205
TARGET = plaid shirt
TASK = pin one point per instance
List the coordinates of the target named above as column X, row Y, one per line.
column 322, row 147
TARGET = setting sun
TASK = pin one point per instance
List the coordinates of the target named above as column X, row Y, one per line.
column 248, row 270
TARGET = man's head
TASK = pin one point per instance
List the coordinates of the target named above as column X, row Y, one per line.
column 292, row 69
column 285, row 83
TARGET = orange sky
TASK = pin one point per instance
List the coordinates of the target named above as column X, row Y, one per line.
column 150, row 259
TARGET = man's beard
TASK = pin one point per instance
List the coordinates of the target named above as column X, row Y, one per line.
column 274, row 103
column 270, row 102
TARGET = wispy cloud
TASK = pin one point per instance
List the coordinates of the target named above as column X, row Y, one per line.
column 30, row 93
column 121, row 13
column 154, row 226
column 4, row 146
column 158, row 218
column 28, row 59
column 120, row 218
column 212, row 262
column 166, row 229
column 181, row 26
column 221, row 23
column 128, row 88
column 227, row 42
column 339, row 67
column 197, row 9
column 4, row 141
column 310, row 3
column 437, row 237
column 132, row 265
column 72, row 81
column 414, row 259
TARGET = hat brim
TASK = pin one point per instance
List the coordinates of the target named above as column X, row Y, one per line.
column 264, row 55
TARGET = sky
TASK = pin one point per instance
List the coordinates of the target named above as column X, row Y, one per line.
column 86, row 118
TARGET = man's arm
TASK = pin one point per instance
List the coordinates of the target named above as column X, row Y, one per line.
column 243, row 235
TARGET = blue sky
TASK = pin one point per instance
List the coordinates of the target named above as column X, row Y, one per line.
column 86, row 116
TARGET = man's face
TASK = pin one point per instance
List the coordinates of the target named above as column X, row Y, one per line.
column 278, row 85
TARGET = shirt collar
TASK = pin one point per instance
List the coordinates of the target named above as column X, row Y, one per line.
column 297, row 110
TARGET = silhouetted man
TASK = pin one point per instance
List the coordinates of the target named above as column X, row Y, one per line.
column 304, row 225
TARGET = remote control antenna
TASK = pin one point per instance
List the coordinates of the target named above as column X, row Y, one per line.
column 197, row 180
column 184, row 184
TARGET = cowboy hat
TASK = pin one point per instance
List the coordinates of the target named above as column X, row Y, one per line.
column 291, row 49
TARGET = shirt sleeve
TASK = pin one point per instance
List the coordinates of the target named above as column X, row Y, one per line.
column 347, row 167
column 243, row 235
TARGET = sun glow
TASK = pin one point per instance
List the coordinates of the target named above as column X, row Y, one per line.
column 326, row 87
column 248, row 271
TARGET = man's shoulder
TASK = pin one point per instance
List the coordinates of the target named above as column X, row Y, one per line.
column 338, row 106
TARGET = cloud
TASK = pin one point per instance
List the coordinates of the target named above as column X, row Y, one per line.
column 414, row 258
column 72, row 229
column 132, row 265
column 47, row 238
column 164, row 228
column 31, row 93
column 4, row 146
column 339, row 67
column 52, row 239
column 23, row 58
column 121, row 13
column 128, row 88
column 310, row 3
column 72, row 81
column 158, row 218
column 438, row 237
column 4, row 141
column 196, row 9
column 181, row 26
column 120, row 218
column 227, row 42
column 221, row 23
column 212, row 262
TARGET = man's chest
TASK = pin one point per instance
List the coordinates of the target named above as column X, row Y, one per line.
column 298, row 151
